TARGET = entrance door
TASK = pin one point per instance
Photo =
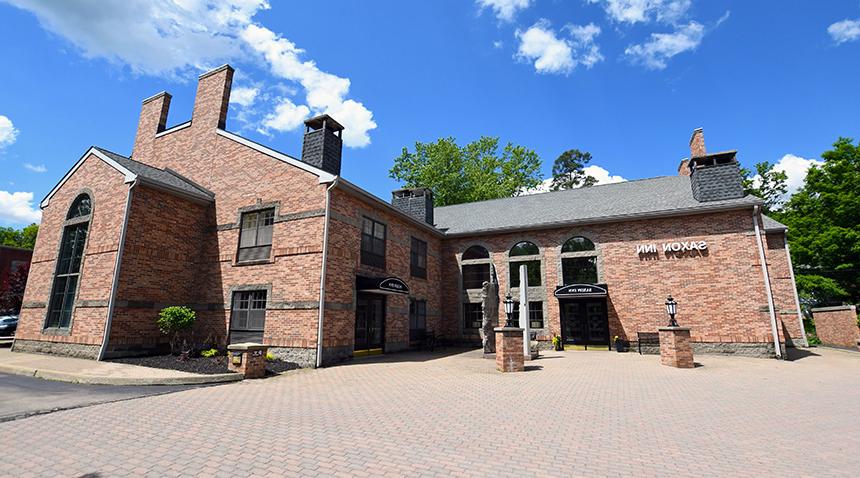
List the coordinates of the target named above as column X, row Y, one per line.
column 584, row 322
column 369, row 323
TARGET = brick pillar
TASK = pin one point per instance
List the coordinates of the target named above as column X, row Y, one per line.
column 248, row 359
column 509, row 349
column 675, row 347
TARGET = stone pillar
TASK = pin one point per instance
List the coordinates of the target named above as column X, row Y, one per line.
column 675, row 347
column 509, row 349
column 249, row 359
column 837, row 326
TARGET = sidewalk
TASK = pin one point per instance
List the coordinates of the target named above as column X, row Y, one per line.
column 67, row 369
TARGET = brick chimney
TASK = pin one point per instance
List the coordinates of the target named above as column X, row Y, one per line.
column 417, row 202
column 322, row 146
column 713, row 177
column 153, row 119
column 213, row 97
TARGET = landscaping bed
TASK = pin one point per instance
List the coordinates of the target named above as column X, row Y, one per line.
column 201, row 365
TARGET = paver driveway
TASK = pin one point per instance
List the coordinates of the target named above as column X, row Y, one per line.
column 575, row 413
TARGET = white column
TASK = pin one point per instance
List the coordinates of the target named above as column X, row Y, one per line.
column 524, row 309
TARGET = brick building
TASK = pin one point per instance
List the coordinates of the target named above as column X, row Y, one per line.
column 268, row 247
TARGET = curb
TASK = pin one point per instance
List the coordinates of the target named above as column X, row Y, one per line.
column 98, row 380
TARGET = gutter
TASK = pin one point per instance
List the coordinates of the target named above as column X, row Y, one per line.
column 773, row 326
column 116, row 269
column 794, row 289
column 323, row 270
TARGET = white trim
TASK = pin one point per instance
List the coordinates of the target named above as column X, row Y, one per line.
column 173, row 128
column 319, row 358
column 768, row 291
column 324, row 176
column 129, row 176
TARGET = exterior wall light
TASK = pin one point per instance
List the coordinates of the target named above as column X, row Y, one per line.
column 671, row 308
column 509, row 311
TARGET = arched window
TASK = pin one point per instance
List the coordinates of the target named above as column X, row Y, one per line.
column 579, row 261
column 68, row 270
column 475, row 267
column 527, row 254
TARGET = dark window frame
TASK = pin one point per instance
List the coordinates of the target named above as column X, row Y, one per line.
column 69, row 264
column 533, row 268
column 474, row 275
column 535, row 314
column 578, row 244
column 373, row 248
column 247, row 303
column 574, row 274
column 473, row 316
column 259, row 247
column 418, row 258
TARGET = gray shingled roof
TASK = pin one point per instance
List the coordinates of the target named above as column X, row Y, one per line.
column 159, row 177
column 663, row 195
column 771, row 224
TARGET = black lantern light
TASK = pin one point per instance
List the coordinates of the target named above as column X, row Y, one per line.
column 509, row 310
column 671, row 308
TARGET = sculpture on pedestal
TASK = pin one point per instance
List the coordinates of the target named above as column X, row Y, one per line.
column 490, row 308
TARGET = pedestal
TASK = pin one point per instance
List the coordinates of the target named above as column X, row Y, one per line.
column 675, row 347
column 509, row 349
column 249, row 359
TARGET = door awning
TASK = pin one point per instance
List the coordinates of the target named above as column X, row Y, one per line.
column 573, row 291
column 381, row 285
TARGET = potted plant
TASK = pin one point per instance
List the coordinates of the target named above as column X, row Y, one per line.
column 556, row 343
column 620, row 344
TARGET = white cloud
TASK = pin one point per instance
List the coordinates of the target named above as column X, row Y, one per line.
column 600, row 174
column 654, row 53
column 636, row 11
column 173, row 38
column 846, row 30
column 287, row 116
column 40, row 168
column 504, row 10
column 553, row 54
column 498, row 44
column 795, row 168
column 8, row 132
column 244, row 96
column 18, row 208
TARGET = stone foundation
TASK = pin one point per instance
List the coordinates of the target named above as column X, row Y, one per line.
column 83, row 351
column 743, row 349
column 304, row 358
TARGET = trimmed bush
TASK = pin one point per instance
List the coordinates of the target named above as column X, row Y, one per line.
column 173, row 321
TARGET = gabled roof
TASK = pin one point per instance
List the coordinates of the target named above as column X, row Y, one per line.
column 135, row 171
column 653, row 197
column 772, row 225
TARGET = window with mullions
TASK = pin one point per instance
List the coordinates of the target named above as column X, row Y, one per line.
column 530, row 258
column 579, row 261
column 473, row 316
column 373, row 243
column 417, row 320
column 535, row 314
column 255, row 237
column 418, row 258
column 248, row 316
column 68, row 271
column 475, row 267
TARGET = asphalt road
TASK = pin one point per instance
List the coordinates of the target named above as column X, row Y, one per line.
column 22, row 396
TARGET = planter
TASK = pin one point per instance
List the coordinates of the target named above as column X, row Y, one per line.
column 621, row 346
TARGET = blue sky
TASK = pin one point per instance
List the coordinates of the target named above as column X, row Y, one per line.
column 627, row 80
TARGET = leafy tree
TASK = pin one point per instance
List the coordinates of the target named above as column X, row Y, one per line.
column 766, row 184
column 12, row 298
column 173, row 321
column 24, row 238
column 824, row 227
column 568, row 170
column 475, row 172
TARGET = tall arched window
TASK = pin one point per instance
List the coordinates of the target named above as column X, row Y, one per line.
column 579, row 261
column 528, row 254
column 475, row 264
column 68, row 271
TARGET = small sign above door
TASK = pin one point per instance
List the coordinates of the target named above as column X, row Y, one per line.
column 572, row 291
column 381, row 285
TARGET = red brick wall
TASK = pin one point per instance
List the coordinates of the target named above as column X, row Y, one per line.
column 837, row 326
column 783, row 288
column 109, row 193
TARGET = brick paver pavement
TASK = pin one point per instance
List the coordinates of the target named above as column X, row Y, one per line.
column 571, row 414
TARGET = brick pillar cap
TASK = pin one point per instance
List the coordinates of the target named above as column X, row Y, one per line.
column 247, row 346
column 674, row 329
column 508, row 329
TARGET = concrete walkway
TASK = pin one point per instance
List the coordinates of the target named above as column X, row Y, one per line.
column 67, row 369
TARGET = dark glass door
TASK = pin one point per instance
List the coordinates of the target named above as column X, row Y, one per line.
column 584, row 322
column 369, row 322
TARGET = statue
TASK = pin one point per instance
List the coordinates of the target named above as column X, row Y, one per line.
column 490, row 308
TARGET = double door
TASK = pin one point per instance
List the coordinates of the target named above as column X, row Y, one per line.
column 585, row 322
column 369, row 322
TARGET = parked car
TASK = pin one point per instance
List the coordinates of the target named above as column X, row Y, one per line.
column 8, row 325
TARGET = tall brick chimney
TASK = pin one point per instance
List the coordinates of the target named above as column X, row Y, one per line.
column 213, row 97
column 713, row 177
column 417, row 202
column 322, row 146
column 153, row 120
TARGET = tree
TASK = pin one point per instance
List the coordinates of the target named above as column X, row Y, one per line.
column 766, row 184
column 475, row 172
column 12, row 298
column 568, row 171
column 173, row 321
column 24, row 238
column 823, row 218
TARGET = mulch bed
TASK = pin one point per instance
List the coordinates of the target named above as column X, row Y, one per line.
column 202, row 365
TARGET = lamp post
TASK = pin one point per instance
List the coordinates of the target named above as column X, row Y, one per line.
column 509, row 310
column 671, row 308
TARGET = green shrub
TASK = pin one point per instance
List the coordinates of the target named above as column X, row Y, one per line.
column 173, row 321
column 270, row 357
column 209, row 353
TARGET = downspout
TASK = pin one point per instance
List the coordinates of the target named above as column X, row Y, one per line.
column 794, row 289
column 116, row 269
column 773, row 326
column 322, row 271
